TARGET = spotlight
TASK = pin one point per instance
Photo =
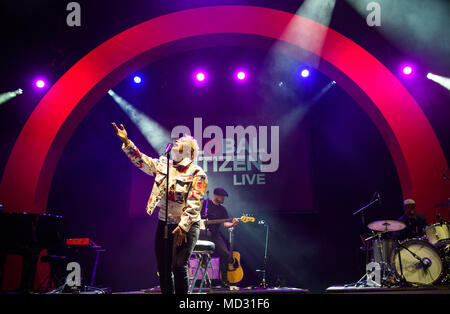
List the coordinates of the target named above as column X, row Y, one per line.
column 155, row 133
column 441, row 80
column 40, row 83
column 241, row 75
column 200, row 76
column 4, row 97
column 137, row 79
column 407, row 70
column 304, row 73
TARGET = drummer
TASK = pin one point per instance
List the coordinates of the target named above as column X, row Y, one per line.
column 415, row 222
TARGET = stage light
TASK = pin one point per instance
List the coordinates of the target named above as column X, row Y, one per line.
column 40, row 83
column 292, row 119
column 241, row 75
column 137, row 79
column 407, row 70
column 441, row 80
column 304, row 73
column 155, row 133
column 200, row 76
column 317, row 11
column 403, row 24
column 4, row 97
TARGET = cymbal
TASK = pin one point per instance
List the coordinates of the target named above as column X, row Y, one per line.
column 443, row 204
column 386, row 225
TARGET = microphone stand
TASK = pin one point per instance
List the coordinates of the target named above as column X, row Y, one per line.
column 166, row 227
column 263, row 283
column 363, row 221
column 206, row 214
column 166, row 267
column 363, row 208
column 413, row 254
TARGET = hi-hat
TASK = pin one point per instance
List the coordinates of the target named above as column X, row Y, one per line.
column 386, row 225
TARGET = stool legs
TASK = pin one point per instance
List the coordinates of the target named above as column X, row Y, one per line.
column 200, row 258
column 205, row 274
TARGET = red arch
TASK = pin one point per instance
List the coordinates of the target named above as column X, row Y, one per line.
column 416, row 151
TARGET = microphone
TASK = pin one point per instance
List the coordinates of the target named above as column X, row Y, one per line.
column 168, row 148
column 426, row 262
column 379, row 198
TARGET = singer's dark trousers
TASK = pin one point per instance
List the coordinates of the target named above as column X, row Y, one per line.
column 173, row 263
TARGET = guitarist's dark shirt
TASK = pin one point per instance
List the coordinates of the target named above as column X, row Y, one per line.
column 414, row 226
column 214, row 212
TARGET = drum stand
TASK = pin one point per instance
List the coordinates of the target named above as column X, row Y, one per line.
column 386, row 267
column 445, row 252
column 401, row 278
column 363, row 280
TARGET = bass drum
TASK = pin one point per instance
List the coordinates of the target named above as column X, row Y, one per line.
column 427, row 272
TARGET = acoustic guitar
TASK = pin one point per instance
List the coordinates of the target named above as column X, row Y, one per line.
column 235, row 272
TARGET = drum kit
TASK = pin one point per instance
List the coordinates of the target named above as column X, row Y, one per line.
column 411, row 262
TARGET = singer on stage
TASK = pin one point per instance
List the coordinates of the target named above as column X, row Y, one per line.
column 187, row 186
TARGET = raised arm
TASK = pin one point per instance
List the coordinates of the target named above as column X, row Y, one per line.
column 140, row 160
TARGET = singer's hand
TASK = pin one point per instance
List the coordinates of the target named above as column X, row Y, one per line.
column 121, row 133
column 180, row 236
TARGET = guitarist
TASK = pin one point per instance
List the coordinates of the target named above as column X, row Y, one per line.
column 214, row 209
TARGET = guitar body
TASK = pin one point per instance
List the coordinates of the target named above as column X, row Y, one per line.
column 235, row 271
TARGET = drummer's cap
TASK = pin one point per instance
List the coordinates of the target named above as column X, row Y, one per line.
column 220, row 191
column 409, row 201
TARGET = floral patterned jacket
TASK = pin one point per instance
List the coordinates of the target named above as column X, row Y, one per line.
column 187, row 184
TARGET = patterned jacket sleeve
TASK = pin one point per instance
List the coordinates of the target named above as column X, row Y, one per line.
column 140, row 160
column 194, row 201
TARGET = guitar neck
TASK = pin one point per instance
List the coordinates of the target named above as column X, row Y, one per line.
column 210, row 221
column 218, row 221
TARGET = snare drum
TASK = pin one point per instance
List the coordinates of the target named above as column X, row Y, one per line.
column 438, row 234
column 426, row 271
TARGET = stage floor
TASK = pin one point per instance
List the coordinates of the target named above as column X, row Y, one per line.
column 385, row 290
column 281, row 290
